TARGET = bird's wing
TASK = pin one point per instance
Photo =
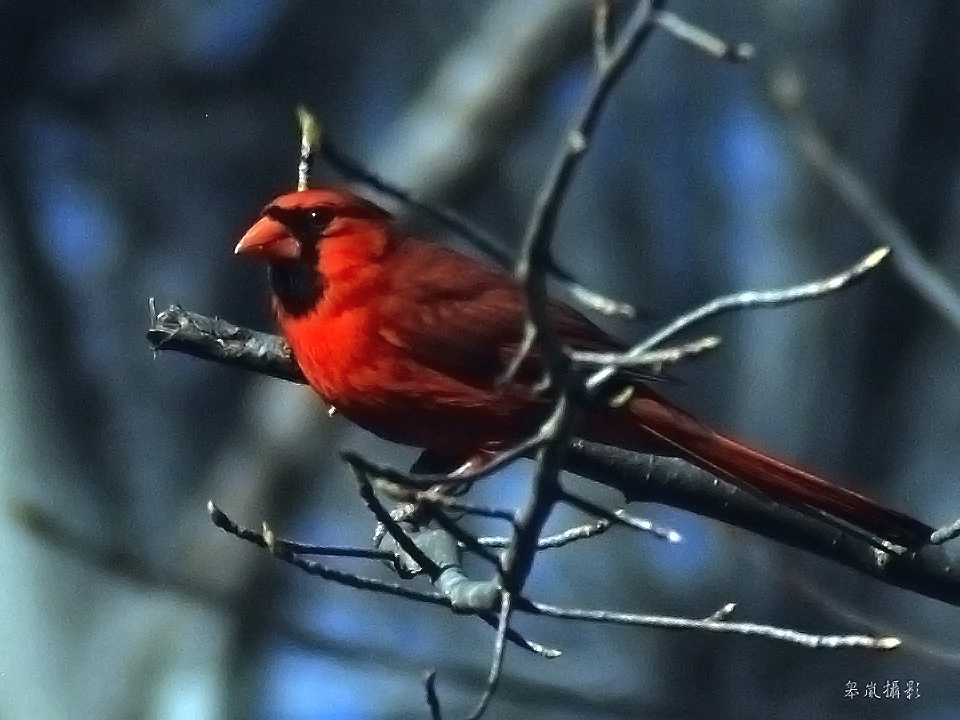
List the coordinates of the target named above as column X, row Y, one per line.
column 464, row 318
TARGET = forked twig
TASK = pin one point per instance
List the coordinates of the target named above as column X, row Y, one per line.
column 281, row 550
column 727, row 303
column 854, row 191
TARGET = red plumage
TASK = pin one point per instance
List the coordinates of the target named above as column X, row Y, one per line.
column 407, row 338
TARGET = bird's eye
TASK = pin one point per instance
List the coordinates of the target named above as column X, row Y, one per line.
column 317, row 221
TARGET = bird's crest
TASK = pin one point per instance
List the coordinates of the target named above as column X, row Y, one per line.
column 325, row 201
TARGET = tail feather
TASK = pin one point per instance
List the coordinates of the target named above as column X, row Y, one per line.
column 663, row 424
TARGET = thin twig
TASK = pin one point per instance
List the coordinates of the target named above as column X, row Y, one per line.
column 310, row 138
column 581, row 532
column 794, row 637
column 496, row 666
column 466, row 229
column 679, row 353
column 546, row 492
column 602, row 32
column 535, row 256
column 588, row 530
column 464, row 594
column 946, row 533
column 133, row 568
column 553, row 542
column 267, row 539
column 703, row 40
column 392, row 527
column 619, row 517
column 592, row 300
column 438, row 499
column 604, row 616
column 722, row 613
column 433, row 701
column 727, row 303
column 530, row 270
column 654, row 358
column 223, row 522
column 427, row 481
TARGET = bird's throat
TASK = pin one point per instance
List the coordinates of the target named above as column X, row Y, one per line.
column 298, row 288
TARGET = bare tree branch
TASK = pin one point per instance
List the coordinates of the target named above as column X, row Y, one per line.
column 134, row 569
column 717, row 621
column 702, row 40
column 535, row 255
column 466, row 229
column 215, row 339
column 436, row 552
column 854, row 191
column 724, row 304
column 716, row 624
column 431, row 555
column 930, row 571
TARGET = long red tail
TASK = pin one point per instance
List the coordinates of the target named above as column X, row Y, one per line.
column 666, row 426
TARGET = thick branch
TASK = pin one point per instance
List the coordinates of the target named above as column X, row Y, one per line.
column 211, row 338
column 641, row 477
column 672, row 481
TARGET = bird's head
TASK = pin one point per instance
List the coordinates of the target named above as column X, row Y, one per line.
column 315, row 240
column 293, row 225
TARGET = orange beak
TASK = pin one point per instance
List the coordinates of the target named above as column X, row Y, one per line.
column 269, row 239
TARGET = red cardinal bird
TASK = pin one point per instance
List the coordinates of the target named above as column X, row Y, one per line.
column 407, row 339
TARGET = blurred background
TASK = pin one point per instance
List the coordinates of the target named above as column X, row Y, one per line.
column 139, row 139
